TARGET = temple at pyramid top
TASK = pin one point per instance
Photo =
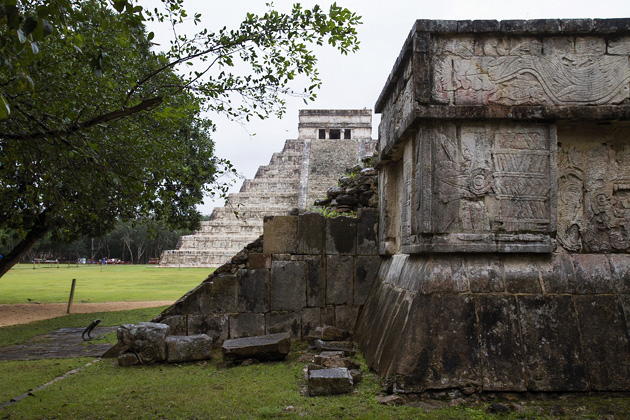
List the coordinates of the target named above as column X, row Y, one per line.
column 335, row 124
column 329, row 142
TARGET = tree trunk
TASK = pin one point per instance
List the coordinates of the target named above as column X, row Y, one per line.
column 37, row 232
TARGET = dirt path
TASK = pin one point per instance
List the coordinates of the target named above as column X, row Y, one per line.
column 24, row 313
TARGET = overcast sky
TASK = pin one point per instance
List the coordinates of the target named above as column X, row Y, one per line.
column 355, row 81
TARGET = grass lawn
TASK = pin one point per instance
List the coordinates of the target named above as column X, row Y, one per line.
column 214, row 390
column 206, row 390
column 95, row 283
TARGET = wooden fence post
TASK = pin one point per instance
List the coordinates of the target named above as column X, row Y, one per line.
column 74, row 282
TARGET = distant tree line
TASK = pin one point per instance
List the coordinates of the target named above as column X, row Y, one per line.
column 131, row 241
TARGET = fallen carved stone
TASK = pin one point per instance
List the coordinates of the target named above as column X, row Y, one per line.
column 188, row 348
column 147, row 340
column 264, row 347
column 329, row 382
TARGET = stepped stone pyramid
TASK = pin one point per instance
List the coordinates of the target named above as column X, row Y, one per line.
column 329, row 142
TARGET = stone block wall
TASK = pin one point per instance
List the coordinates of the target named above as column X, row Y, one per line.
column 511, row 323
column 306, row 271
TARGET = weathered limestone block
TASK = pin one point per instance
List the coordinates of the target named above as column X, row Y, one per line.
column 440, row 274
column 346, row 317
column 316, row 281
column 335, row 359
column 592, row 274
column 501, row 347
column 341, row 236
column 510, row 341
column 247, row 325
column 620, row 266
column 330, row 333
column 329, row 382
column 188, row 348
column 553, row 354
column 339, row 279
column 347, row 347
column 283, row 322
column 128, row 359
column 485, row 276
column 365, row 271
column 147, row 340
column 521, row 275
column 310, row 320
column 177, row 324
column 215, row 326
column 328, row 315
column 194, row 302
column 288, row 286
column 311, row 233
column 265, row 347
column 601, row 322
column 259, row 261
column 253, row 294
column 281, row 235
column 367, row 231
column 223, row 296
column 558, row 274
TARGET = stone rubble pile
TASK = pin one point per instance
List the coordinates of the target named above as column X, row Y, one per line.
column 331, row 371
column 149, row 342
column 358, row 188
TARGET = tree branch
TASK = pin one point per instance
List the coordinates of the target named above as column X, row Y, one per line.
column 101, row 119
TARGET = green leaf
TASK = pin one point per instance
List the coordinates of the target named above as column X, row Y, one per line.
column 13, row 17
column 47, row 28
column 97, row 65
column 5, row 110
column 120, row 5
column 34, row 47
column 44, row 11
column 29, row 25
column 21, row 36
column 25, row 81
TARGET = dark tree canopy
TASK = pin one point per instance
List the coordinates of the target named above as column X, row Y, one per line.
column 96, row 127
